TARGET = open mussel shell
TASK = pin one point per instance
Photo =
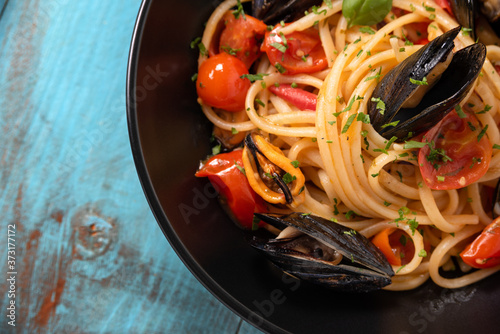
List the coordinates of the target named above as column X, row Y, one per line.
column 275, row 171
column 362, row 266
column 495, row 207
column 452, row 87
column 490, row 8
column 275, row 11
column 465, row 13
column 482, row 17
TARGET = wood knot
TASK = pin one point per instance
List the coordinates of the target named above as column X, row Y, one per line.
column 94, row 234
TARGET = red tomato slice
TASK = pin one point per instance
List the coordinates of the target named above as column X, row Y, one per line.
column 242, row 37
column 298, row 52
column 223, row 172
column 484, row 251
column 219, row 83
column 300, row 98
column 460, row 153
column 396, row 245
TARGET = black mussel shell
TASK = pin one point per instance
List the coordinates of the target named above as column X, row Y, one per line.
column 274, row 11
column 481, row 17
column 466, row 12
column 343, row 276
column 353, row 246
column 451, row 89
column 454, row 84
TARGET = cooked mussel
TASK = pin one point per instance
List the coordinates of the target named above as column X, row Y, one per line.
column 325, row 253
column 481, row 17
column 274, row 11
column 491, row 9
column 465, row 13
column 270, row 173
column 495, row 203
column 423, row 88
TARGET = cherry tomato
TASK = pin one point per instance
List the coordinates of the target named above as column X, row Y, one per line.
column 417, row 32
column 223, row 171
column 396, row 245
column 457, row 153
column 298, row 52
column 219, row 83
column 445, row 4
column 300, row 98
column 242, row 37
column 484, row 251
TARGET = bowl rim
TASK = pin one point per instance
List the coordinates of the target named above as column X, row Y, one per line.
column 161, row 218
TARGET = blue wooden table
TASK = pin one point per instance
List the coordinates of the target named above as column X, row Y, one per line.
column 86, row 254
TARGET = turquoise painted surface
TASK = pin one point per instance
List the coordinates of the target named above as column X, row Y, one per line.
column 86, row 253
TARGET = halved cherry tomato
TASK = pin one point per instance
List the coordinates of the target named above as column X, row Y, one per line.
column 242, row 37
column 396, row 245
column 219, row 83
column 457, row 153
column 298, row 52
column 223, row 171
column 484, row 251
column 300, row 98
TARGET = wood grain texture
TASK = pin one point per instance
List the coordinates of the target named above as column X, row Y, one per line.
column 89, row 255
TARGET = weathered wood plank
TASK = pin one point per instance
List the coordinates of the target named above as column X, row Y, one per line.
column 89, row 256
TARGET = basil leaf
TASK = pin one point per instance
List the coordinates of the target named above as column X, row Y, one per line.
column 365, row 12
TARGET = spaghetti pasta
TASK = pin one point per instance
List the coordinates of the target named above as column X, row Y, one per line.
column 348, row 166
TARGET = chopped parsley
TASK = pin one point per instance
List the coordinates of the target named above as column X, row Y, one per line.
column 376, row 76
column 350, row 232
column 278, row 46
column 241, row 169
column 363, row 118
column 482, row 133
column 413, row 144
column 280, row 68
column 254, row 77
column 460, row 112
column 403, row 239
column 230, row 50
column 437, row 155
column 288, row 178
column 216, row 149
column 350, row 214
column 380, row 104
column 390, row 124
column 348, row 123
column 422, row 82
column 485, row 110
column 239, row 11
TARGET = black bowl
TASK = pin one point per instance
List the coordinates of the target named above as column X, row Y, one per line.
column 170, row 135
